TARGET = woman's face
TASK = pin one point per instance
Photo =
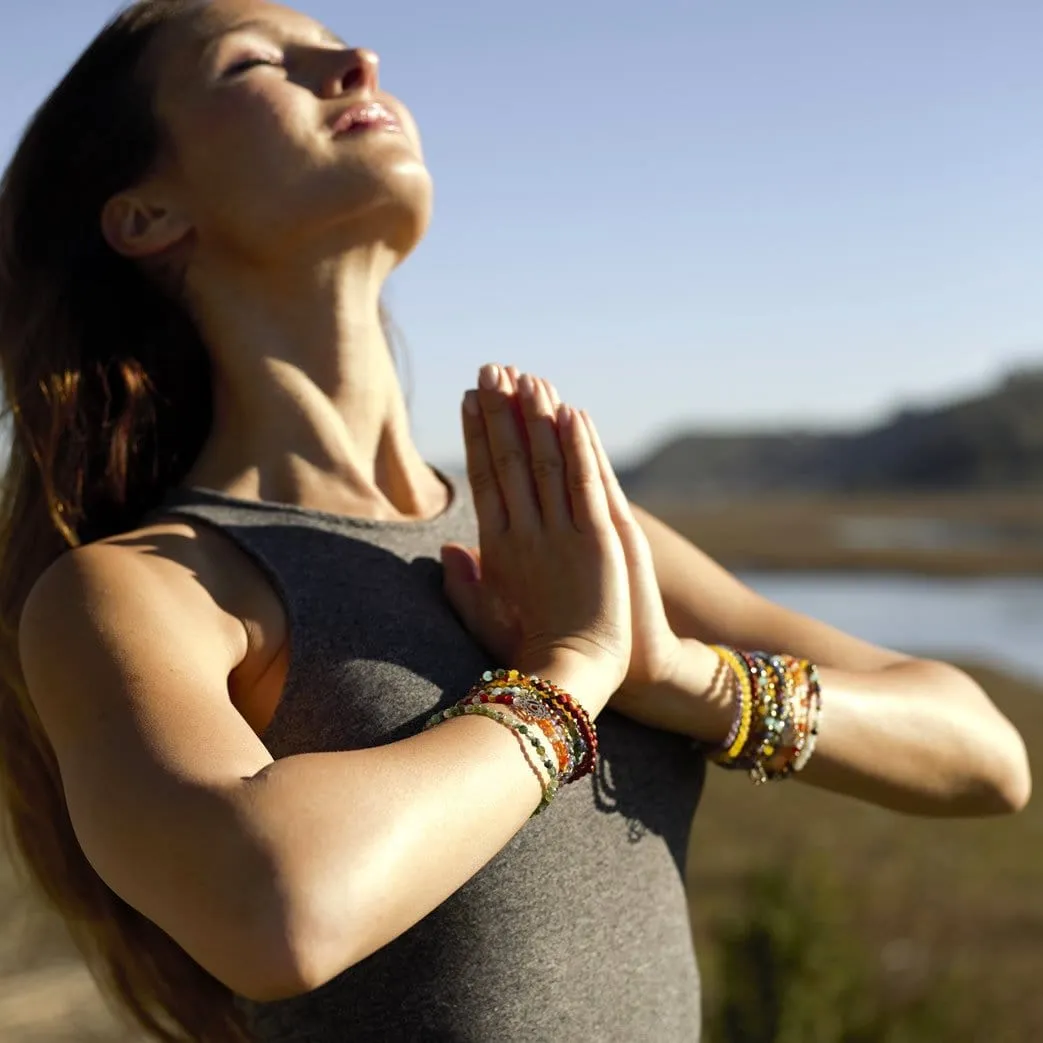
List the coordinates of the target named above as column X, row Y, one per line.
column 281, row 136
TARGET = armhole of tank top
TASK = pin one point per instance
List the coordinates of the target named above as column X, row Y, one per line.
column 271, row 577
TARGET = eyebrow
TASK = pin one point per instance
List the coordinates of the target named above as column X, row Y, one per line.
column 323, row 34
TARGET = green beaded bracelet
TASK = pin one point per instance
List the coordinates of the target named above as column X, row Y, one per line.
column 509, row 721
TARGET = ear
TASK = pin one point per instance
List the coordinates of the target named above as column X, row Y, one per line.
column 139, row 224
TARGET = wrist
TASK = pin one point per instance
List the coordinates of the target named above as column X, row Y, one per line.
column 589, row 682
column 690, row 699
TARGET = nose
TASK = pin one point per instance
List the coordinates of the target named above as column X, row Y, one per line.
column 355, row 69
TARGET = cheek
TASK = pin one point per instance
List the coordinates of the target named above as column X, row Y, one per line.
column 239, row 146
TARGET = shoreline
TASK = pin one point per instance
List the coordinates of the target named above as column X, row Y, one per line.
column 926, row 535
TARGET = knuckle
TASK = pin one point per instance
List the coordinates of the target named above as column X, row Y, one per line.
column 582, row 480
column 495, row 404
column 482, row 481
column 476, row 444
column 547, row 467
column 626, row 523
column 475, row 437
column 510, row 459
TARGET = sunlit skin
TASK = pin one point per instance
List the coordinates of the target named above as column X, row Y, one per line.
column 286, row 235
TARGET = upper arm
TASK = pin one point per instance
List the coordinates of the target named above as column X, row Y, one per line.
column 126, row 659
column 706, row 602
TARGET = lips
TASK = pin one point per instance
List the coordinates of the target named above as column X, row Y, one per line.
column 370, row 115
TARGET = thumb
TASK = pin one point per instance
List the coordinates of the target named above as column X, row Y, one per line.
column 461, row 563
column 462, row 580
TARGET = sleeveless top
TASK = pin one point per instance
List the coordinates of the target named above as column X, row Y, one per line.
column 579, row 927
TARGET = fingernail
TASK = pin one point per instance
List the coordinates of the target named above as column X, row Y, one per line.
column 565, row 417
column 471, row 404
column 489, row 377
column 526, row 385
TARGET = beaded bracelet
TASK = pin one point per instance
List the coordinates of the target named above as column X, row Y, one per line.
column 532, row 711
column 515, row 683
column 550, row 784
column 793, row 718
column 775, row 713
column 740, row 729
column 569, row 734
column 537, row 711
column 814, row 717
column 778, row 706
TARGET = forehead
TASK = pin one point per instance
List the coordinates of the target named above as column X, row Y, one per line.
column 183, row 46
column 187, row 40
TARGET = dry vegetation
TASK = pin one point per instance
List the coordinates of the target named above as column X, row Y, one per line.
column 945, row 906
column 944, row 534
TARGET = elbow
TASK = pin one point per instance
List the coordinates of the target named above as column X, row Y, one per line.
column 275, row 943
column 293, row 956
column 262, row 964
column 1013, row 786
column 1002, row 781
column 1003, row 785
column 1010, row 777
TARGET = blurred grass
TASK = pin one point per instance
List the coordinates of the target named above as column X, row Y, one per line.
column 905, row 918
column 817, row 920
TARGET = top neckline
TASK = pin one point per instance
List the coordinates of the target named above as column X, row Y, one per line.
column 193, row 494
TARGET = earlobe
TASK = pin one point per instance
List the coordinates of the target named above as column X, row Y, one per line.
column 138, row 229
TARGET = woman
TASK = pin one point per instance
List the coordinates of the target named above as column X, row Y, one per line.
column 256, row 781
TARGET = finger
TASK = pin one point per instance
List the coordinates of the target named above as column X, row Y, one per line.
column 462, row 585
column 513, row 377
column 485, row 487
column 618, row 503
column 590, row 511
column 548, row 463
column 635, row 543
column 507, row 449
column 552, row 393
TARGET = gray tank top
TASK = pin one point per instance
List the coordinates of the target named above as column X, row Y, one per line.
column 579, row 927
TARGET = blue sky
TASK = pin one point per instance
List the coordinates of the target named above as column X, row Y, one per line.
column 695, row 214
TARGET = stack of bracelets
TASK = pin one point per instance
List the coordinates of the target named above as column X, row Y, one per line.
column 777, row 709
column 541, row 715
column 778, row 703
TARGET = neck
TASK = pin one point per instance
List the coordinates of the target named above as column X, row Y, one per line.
column 308, row 408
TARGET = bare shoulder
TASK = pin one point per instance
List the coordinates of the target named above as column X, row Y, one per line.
column 162, row 553
column 122, row 610
column 160, row 575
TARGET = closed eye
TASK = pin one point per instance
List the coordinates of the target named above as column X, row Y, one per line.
column 250, row 63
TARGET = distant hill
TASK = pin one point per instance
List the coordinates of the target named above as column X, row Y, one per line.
column 993, row 441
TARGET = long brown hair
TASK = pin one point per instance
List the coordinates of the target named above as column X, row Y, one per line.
column 108, row 395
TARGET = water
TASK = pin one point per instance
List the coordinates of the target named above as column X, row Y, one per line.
column 994, row 620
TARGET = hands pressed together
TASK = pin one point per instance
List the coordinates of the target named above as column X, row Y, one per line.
column 563, row 571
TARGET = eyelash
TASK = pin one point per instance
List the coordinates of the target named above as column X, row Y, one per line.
column 249, row 63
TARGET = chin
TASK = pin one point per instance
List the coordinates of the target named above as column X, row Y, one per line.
column 388, row 203
column 398, row 213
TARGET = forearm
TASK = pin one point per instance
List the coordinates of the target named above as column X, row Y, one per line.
column 363, row 844
column 917, row 736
